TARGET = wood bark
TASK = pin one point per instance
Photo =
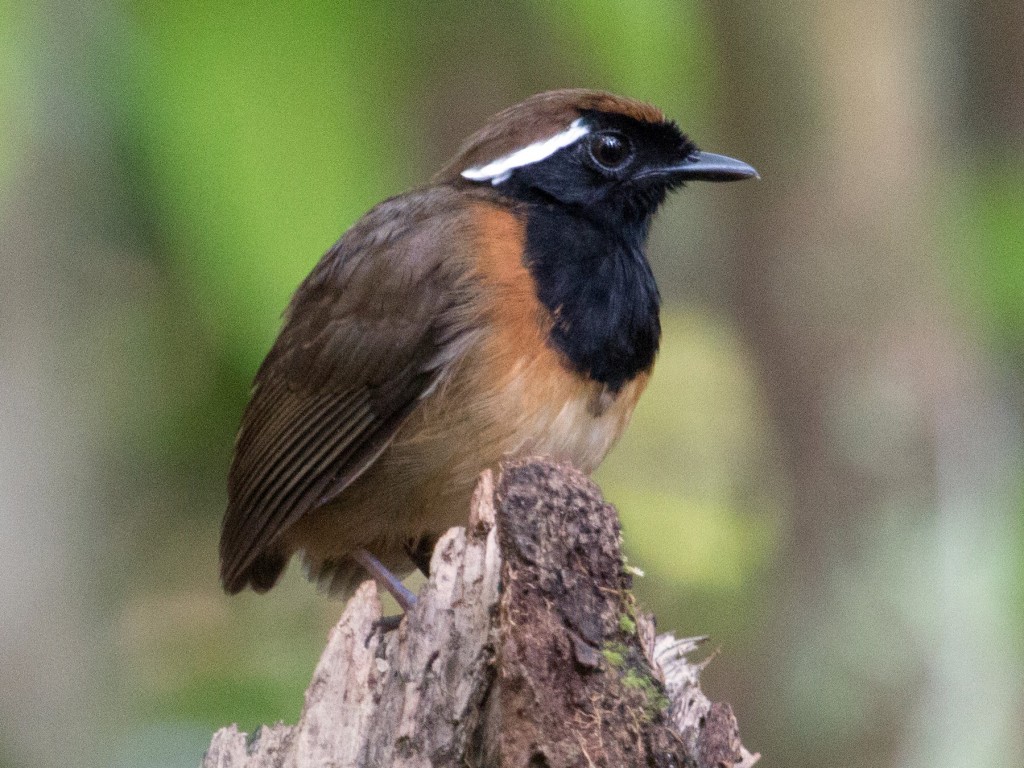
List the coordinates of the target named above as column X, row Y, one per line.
column 524, row 649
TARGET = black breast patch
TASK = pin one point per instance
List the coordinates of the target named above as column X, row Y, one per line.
column 598, row 286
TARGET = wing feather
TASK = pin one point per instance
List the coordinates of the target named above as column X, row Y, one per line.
column 285, row 438
column 288, row 496
column 378, row 323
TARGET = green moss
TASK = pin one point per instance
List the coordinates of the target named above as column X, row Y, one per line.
column 656, row 700
column 627, row 624
column 618, row 657
column 613, row 658
column 615, row 654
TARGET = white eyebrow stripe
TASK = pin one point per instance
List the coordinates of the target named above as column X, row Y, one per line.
column 499, row 170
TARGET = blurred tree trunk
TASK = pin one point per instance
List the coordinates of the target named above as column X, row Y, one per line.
column 993, row 100
column 48, row 469
column 994, row 96
column 835, row 288
column 826, row 268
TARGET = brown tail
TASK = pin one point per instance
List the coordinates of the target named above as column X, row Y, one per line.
column 261, row 575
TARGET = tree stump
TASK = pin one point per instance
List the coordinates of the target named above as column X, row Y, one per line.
column 524, row 649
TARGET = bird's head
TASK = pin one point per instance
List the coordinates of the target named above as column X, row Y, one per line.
column 606, row 156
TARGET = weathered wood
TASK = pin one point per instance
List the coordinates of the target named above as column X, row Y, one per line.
column 556, row 667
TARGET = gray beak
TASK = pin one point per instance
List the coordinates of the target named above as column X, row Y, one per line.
column 707, row 166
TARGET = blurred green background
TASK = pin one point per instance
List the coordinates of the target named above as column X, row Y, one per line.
column 825, row 475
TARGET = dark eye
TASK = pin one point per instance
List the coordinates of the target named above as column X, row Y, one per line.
column 610, row 150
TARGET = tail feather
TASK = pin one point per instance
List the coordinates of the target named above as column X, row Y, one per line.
column 261, row 575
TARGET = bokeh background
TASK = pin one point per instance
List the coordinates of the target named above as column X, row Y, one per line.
column 825, row 475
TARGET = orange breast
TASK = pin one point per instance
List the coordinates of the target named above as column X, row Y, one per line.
column 538, row 404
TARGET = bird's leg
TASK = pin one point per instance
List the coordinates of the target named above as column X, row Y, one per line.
column 405, row 599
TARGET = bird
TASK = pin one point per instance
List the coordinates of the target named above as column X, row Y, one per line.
column 504, row 309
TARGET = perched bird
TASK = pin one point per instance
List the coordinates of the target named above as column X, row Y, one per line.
column 505, row 309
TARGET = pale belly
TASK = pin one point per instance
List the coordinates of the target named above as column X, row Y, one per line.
column 423, row 482
column 536, row 409
column 559, row 416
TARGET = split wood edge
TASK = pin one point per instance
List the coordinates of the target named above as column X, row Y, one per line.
column 524, row 649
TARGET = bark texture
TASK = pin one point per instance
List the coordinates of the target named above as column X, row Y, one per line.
column 525, row 649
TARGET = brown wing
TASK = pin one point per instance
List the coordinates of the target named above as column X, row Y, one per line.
column 369, row 333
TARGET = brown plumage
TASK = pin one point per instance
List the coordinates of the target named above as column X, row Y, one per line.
column 422, row 349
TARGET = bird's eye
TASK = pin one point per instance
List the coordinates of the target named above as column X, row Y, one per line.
column 610, row 150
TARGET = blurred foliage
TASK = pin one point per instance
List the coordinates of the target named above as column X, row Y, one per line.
column 10, row 76
column 692, row 480
column 256, row 129
column 211, row 152
column 986, row 234
column 645, row 49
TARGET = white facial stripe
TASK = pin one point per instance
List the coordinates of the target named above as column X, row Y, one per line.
column 499, row 170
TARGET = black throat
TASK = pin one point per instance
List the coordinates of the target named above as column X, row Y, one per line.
column 594, row 278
